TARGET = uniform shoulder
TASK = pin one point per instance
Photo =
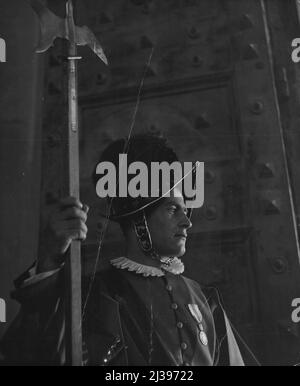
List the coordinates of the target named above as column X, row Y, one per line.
column 210, row 293
column 196, row 285
column 191, row 282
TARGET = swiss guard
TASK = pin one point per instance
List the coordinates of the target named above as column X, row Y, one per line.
column 142, row 311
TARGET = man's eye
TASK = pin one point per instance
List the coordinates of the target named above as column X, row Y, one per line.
column 174, row 209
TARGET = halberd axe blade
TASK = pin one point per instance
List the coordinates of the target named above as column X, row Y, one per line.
column 53, row 27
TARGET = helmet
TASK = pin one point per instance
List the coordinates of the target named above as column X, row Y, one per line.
column 146, row 148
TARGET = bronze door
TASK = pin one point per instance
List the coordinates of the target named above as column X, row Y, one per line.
column 210, row 90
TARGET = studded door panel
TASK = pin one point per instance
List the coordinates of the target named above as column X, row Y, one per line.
column 209, row 89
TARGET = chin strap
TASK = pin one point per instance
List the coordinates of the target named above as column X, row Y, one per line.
column 145, row 242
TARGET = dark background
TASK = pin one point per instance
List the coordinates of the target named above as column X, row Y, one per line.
column 222, row 88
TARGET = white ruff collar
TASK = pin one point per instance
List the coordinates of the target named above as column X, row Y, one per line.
column 176, row 267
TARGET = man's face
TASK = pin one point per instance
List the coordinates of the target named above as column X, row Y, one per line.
column 168, row 226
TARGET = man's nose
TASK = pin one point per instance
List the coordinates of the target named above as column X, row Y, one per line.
column 186, row 222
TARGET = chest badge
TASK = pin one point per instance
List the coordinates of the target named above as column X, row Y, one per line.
column 197, row 315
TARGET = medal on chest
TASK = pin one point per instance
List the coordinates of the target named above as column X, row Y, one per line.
column 197, row 315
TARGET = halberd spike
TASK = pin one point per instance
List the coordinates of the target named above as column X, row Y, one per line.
column 53, row 27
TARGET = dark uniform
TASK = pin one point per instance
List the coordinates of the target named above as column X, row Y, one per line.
column 154, row 323
column 129, row 320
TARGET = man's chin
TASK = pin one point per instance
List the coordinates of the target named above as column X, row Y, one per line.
column 181, row 252
column 176, row 251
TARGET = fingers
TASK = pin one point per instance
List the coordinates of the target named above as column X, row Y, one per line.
column 75, row 234
column 70, row 235
column 73, row 213
column 69, row 208
column 85, row 208
column 70, row 202
column 67, row 221
column 74, row 225
column 72, row 229
column 64, row 223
